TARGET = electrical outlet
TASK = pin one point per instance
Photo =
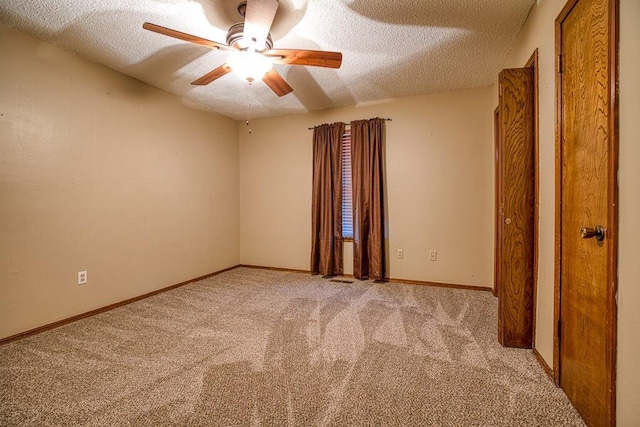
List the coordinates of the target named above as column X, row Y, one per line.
column 82, row 278
column 433, row 255
column 400, row 254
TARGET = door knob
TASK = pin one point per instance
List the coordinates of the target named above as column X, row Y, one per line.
column 588, row 233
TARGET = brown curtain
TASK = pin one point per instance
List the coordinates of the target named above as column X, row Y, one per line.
column 368, row 197
column 326, row 203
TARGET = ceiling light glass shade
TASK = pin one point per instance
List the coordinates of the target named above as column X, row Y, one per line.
column 248, row 65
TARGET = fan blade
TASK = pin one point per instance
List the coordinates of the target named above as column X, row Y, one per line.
column 257, row 21
column 277, row 83
column 317, row 58
column 186, row 37
column 212, row 75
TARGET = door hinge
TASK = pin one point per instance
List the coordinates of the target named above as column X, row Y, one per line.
column 559, row 63
column 559, row 325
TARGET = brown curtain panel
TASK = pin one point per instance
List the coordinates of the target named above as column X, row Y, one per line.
column 326, row 203
column 368, row 197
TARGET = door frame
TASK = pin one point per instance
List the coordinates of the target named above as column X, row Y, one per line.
column 612, row 214
column 497, row 192
column 533, row 63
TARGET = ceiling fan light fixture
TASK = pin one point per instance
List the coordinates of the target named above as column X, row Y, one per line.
column 253, row 56
column 249, row 65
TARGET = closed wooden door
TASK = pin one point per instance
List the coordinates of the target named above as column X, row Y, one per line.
column 516, row 175
column 587, row 212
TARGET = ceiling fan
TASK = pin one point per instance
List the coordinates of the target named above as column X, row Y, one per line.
column 252, row 54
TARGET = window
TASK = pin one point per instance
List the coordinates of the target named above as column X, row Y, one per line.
column 347, row 201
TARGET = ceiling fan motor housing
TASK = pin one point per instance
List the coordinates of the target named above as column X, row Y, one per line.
column 235, row 38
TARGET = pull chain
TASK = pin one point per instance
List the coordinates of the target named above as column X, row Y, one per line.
column 246, row 106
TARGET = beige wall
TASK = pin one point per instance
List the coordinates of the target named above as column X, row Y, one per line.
column 102, row 173
column 439, row 168
column 629, row 202
column 539, row 32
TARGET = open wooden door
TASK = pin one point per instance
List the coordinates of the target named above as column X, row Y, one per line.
column 586, row 207
column 498, row 199
column 515, row 249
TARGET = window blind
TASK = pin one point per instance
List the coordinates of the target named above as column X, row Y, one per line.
column 347, row 201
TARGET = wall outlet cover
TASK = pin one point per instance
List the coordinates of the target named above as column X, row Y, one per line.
column 82, row 278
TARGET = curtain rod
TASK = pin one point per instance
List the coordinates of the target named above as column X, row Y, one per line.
column 387, row 119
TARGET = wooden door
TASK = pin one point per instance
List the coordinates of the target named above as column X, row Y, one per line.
column 587, row 154
column 516, row 146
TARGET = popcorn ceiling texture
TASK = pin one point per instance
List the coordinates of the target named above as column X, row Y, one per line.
column 391, row 48
column 262, row 348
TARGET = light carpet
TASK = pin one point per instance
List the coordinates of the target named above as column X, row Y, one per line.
column 254, row 347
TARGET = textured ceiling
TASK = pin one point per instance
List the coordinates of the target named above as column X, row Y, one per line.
column 391, row 48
